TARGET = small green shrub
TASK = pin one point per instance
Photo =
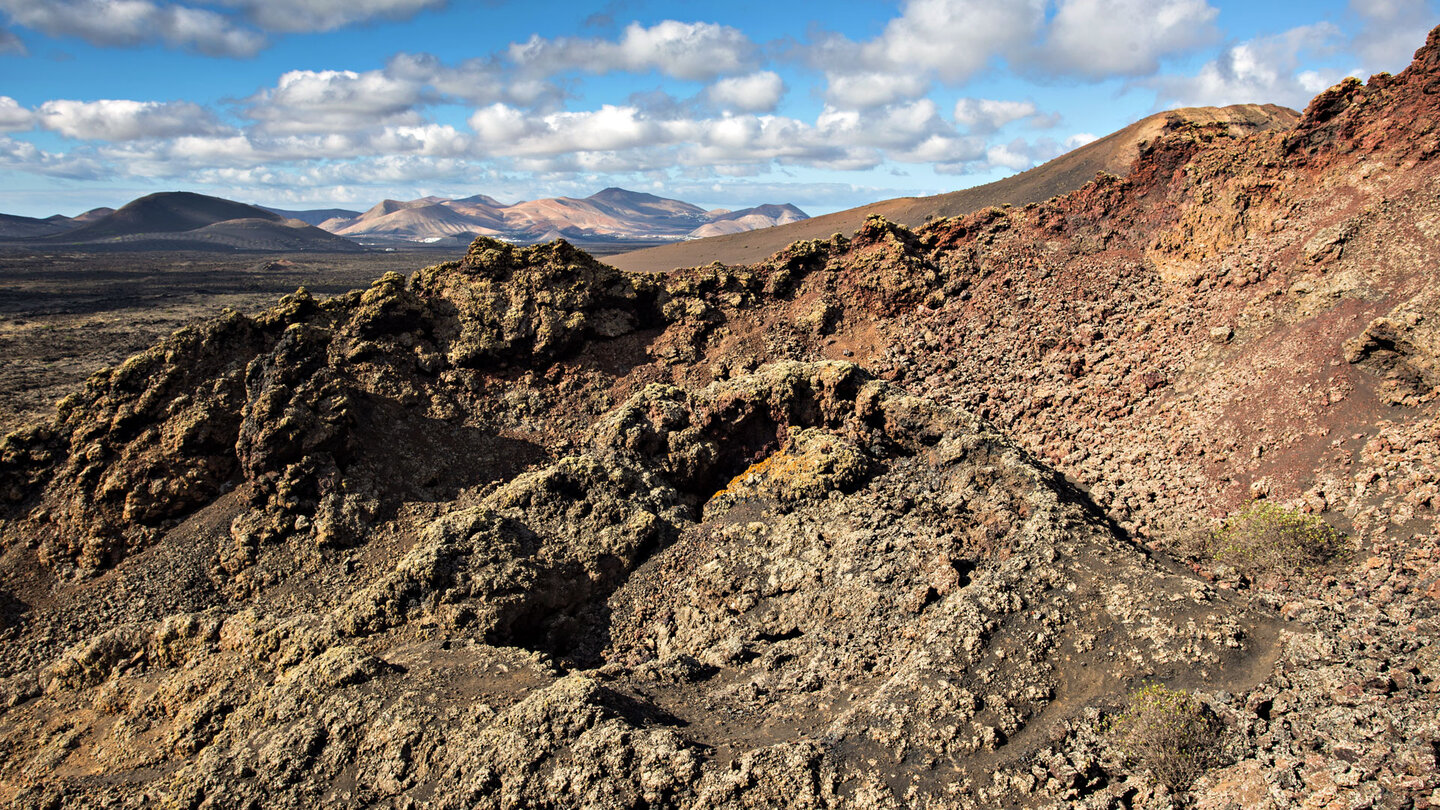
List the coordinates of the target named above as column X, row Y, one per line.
column 1267, row 539
column 1167, row 732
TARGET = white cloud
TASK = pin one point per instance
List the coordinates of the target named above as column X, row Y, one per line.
column 327, row 15
column 13, row 117
column 428, row 140
column 984, row 115
column 27, row 157
column 756, row 92
column 130, row 23
column 1098, row 39
column 504, row 130
column 477, row 81
column 185, row 155
column 1015, row 155
column 1392, row 31
column 136, row 22
column 387, row 169
column 765, row 139
column 954, row 38
column 336, row 101
column 1262, row 70
column 126, row 120
column 626, row 138
column 858, row 91
column 949, row 39
column 697, row 51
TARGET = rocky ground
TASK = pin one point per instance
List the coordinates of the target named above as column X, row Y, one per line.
column 64, row 314
column 902, row 519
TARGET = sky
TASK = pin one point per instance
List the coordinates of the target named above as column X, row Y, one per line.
column 317, row 103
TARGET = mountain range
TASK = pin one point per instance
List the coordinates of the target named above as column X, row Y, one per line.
column 611, row 215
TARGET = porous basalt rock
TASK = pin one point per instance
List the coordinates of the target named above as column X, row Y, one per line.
column 775, row 629
column 503, row 303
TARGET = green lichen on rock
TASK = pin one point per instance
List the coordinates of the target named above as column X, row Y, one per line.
column 505, row 303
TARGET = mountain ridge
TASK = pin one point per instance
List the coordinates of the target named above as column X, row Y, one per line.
column 610, row 215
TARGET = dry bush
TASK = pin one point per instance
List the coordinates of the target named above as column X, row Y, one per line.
column 1267, row 539
column 1167, row 732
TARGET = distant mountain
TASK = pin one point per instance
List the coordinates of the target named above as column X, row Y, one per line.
column 417, row 221
column 749, row 219
column 15, row 227
column 313, row 216
column 92, row 215
column 610, row 216
column 181, row 219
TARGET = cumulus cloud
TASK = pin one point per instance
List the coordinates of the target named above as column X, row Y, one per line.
column 126, row 120
column 697, row 51
column 1098, row 39
column 327, row 15
column 984, row 115
column 27, row 157
column 858, row 91
column 386, row 169
column 477, row 81
column 185, row 155
column 336, row 101
column 629, row 138
column 1016, row 155
column 505, row 130
column 1392, row 31
column 136, row 22
column 952, row 40
column 910, row 133
column 238, row 33
column 13, row 117
column 756, row 92
column 1261, row 70
column 949, row 40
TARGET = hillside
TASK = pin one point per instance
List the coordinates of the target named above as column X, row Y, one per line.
column 313, row 216
column 1113, row 154
column 16, row 227
column 1123, row 498
column 180, row 220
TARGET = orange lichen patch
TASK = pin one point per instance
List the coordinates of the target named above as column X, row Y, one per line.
column 779, row 463
column 810, row 464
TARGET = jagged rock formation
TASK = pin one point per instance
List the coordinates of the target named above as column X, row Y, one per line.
column 889, row 520
column 778, row 638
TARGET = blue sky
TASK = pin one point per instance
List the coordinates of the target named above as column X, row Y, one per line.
column 313, row 103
